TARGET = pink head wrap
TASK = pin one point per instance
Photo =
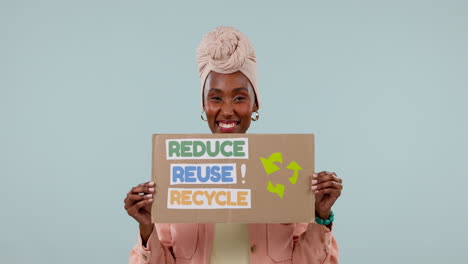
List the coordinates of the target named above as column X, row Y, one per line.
column 227, row 50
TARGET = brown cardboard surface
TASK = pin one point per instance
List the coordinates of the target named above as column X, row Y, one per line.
column 254, row 194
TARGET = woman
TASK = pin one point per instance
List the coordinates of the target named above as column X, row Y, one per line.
column 230, row 99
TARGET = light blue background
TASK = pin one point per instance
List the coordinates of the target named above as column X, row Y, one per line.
column 382, row 84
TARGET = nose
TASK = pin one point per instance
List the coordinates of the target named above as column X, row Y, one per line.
column 227, row 110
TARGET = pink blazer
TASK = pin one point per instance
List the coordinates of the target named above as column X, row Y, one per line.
column 269, row 244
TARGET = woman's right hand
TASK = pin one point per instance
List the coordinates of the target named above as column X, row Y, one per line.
column 138, row 205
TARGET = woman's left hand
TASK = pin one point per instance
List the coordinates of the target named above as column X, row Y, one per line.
column 327, row 188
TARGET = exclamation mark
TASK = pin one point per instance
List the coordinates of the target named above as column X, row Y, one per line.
column 243, row 172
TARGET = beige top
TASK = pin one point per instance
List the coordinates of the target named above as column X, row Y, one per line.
column 231, row 244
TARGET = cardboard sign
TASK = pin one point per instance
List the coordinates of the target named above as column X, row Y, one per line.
column 243, row 178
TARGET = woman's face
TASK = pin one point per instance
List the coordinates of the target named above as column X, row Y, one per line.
column 229, row 101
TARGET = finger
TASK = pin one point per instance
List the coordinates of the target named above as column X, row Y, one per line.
column 133, row 210
column 142, row 188
column 139, row 185
column 322, row 173
column 329, row 191
column 338, row 179
column 149, row 183
column 133, row 198
column 326, row 177
column 141, row 204
column 327, row 184
column 146, row 188
column 318, row 196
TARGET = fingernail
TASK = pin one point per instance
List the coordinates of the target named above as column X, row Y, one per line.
column 149, row 196
column 150, row 200
column 151, row 189
column 314, row 175
column 314, row 181
column 314, row 187
column 151, row 183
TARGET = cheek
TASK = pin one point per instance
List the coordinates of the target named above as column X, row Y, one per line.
column 211, row 112
column 244, row 111
column 209, row 107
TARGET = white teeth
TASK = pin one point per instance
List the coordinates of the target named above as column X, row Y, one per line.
column 226, row 125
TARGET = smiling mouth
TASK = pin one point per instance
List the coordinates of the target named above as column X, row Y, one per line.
column 227, row 125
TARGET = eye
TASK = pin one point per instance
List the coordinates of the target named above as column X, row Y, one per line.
column 239, row 98
column 215, row 98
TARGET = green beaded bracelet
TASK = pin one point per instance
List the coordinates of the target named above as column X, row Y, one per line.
column 326, row 221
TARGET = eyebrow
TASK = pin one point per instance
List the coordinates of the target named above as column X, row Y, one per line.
column 234, row 90
column 214, row 90
column 240, row 89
